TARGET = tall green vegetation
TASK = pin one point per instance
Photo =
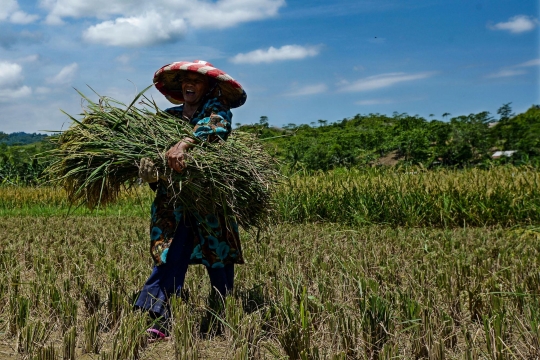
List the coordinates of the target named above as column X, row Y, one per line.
column 21, row 138
column 463, row 141
column 362, row 141
column 19, row 164
column 503, row 195
column 520, row 132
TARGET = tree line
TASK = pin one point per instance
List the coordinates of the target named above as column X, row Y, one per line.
column 21, row 164
column 375, row 139
column 21, row 138
column 362, row 140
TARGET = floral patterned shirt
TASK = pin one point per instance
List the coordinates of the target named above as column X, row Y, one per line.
column 216, row 240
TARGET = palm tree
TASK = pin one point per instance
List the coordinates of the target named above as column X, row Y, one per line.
column 322, row 122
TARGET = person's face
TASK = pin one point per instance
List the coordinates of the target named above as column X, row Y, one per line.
column 194, row 87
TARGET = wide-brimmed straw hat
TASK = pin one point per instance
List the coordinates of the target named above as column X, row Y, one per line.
column 168, row 81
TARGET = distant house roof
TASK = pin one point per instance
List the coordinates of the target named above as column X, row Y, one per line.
column 507, row 153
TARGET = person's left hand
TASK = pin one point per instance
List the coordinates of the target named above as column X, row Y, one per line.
column 147, row 171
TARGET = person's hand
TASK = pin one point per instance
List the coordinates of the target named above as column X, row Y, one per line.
column 176, row 155
column 147, row 171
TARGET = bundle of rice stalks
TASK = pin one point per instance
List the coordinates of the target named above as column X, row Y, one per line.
column 99, row 155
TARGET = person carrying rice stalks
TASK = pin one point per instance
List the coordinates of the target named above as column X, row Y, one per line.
column 177, row 237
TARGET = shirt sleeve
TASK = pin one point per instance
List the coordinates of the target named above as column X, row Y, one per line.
column 216, row 123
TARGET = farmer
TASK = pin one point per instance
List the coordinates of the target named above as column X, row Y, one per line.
column 179, row 238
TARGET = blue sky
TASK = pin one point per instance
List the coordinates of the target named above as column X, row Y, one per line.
column 299, row 61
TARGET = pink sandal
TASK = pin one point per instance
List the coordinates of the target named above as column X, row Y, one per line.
column 156, row 335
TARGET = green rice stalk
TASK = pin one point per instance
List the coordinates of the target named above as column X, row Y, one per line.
column 99, row 155
column 69, row 342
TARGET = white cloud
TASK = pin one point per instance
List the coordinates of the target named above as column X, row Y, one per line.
column 41, row 90
column 165, row 20
column 20, row 17
column 10, row 94
column 29, row 58
column 11, row 78
column 65, row 76
column 9, row 10
column 145, row 30
column 10, row 74
column 516, row 24
column 286, row 52
column 200, row 13
column 59, row 9
column 506, row 73
column 382, row 81
column 514, row 70
column 7, row 7
column 308, row 90
column 374, row 102
column 123, row 59
column 227, row 13
column 534, row 62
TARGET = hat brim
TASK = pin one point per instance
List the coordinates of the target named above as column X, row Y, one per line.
column 167, row 81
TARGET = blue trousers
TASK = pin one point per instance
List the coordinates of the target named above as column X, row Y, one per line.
column 167, row 279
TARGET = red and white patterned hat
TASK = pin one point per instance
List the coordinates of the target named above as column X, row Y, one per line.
column 169, row 83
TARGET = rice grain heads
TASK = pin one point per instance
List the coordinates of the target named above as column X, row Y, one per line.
column 99, row 155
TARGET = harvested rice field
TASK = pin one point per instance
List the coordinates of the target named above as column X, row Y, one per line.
column 307, row 291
